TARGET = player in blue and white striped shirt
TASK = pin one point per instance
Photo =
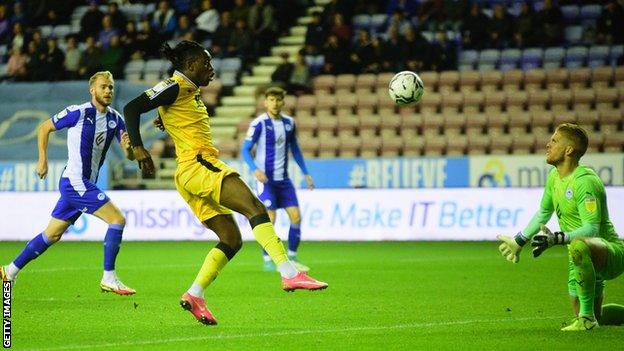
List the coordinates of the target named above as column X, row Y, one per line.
column 274, row 134
column 91, row 128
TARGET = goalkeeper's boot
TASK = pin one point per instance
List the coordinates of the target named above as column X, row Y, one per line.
column 5, row 276
column 302, row 281
column 269, row 266
column 116, row 287
column 197, row 306
column 581, row 324
column 298, row 265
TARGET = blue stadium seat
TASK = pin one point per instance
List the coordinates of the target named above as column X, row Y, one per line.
column 361, row 22
column 45, row 31
column 598, row 55
column 616, row 52
column 570, row 13
column 134, row 70
column 377, row 22
column 489, row 57
column 590, row 12
column 554, row 54
column 573, row 34
column 510, row 57
column 62, row 30
column 468, row 58
column 231, row 64
column 531, row 58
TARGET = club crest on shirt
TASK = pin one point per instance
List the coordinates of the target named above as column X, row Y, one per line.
column 568, row 193
column 112, row 124
column 590, row 203
column 288, row 127
column 101, row 196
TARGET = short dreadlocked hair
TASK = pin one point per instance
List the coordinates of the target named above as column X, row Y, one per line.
column 185, row 51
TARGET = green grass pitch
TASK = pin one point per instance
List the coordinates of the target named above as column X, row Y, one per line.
column 382, row 296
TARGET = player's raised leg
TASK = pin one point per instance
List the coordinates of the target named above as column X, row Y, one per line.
column 238, row 197
column 229, row 243
column 589, row 257
column 111, row 214
column 34, row 248
column 294, row 237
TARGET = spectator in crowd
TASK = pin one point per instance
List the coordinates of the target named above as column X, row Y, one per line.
column 443, row 53
column 51, row 18
column 147, row 42
column 343, row 7
column 340, row 29
column 222, row 35
column 208, row 21
column 416, row 51
column 117, row 17
column 500, row 27
column 361, row 52
column 35, row 67
column 394, row 49
column 91, row 21
column 315, row 35
column 107, row 32
column 16, row 66
column 184, row 27
column 474, row 29
column 524, row 35
column 18, row 39
column 5, row 25
column 281, row 75
column 37, row 37
column 429, row 13
column 18, row 14
column 113, row 58
column 263, row 25
column 610, row 26
column 240, row 11
column 299, row 82
column 164, row 21
column 90, row 59
column 336, row 59
column 378, row 61
column 454, row 11
column 72, row 58
column 399, row 21
column 409, row 8
column 241, row 42
column 129, row 41
column 551, row 20
column 54, row 60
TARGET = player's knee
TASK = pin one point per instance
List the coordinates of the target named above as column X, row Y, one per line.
column 295, row 219
column 258, row 207
column 53, row 236
column 230, row 247
column 119, row 220
column 578, row 249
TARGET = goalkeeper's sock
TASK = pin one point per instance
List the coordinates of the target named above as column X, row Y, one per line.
column 612, row 314
column 215, row 260
column 265, row 234
column 585, row 277
column 33, row 249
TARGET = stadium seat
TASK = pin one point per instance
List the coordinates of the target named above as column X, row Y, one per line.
column 231, row 64
column 391, row 147
column 570, row 13
column 309, row 147
column 45, row 31
column 453, row 123
column 475, row 123
column 495, row 101
column 448, row 81
column 614, row 55
column 456, row 145
column 614, row 142
column 496, row 123
column 430, row 102
column 371, row 147
column 431, row 123
column 541, row 122
column 306, row 103
column 500, row 145
column 362, row 21
column 488, row 57
column 590, row 12
column 602, row 76
column 598, row 55
column 516, row 101
column 349, row 146
column 324, row 84
column 560, row 99
column 509, row 59
column 411, row 123
column 345, row 102
column 61, row 30
column 589, row 120
column 468, row 58
column 377, row 22
column 344, row 83
column 413, row 146
column 452, row 102
column 385, row 104
column 610, row 119
column 325, row 105
column 327, row 126
column 573, row 34
column 519, row 122
column 348, row 123
column 430, row 80
column 328, row 147
column 473, row 102
column 512, row 80
column 366, row 103
column 576, row 56
column 564, row 117
column 469, row 81
column 477, row 144
column 134, row 70
column 583, row 99
column 306, row 125
column 534, row 79
column 365, row 82
column 491, row 80
column 522, row 143
column 579, row 78
column 538, row 100
column 554, row 54
column 369, row 125
column 435, row 145
column 606, row 98
column 557, row 79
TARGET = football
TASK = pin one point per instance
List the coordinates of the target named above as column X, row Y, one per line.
column 406, row 88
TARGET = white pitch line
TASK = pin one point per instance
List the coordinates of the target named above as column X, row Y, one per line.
column 289, row 333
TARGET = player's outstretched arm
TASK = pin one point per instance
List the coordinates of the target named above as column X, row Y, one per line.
column 43, row 137
column 511, row 247
column 126, row 146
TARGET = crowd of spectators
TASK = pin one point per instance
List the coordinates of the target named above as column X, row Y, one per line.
column 400, row 42
column 107, row 38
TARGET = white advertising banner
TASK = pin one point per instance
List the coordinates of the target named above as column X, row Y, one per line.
column 355, row 214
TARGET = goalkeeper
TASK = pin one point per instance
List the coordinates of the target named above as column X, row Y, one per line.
column 577, row 195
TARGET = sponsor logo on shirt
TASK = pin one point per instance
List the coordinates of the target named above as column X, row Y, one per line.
column 568, row 193
column 590, row 203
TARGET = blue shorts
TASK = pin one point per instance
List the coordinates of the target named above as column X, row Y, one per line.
column 77, row 197
column 277, row 194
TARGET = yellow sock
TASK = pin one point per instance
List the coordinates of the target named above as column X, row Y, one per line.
column 214, row 262
column 270, row 242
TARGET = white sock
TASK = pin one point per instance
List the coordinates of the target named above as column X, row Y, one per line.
column 266, row 258
column 196, row 290
column 292, row 254
column 11, row 270
column 109, row 276
column 287, row 270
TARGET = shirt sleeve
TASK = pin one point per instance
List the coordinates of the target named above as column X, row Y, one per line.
column 253, row 133
column 121, row 127
column 66, row 118
column 163, row 93
column 296, row 151
column 589, row 198
column 542, row 216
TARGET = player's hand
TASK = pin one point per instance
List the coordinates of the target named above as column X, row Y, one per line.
column 146, row 164
column 545, row 239
column 262, row 178
column 509, row 248
column 158, row 123
column 310, row 181
column 42, row 168
column 125, row 141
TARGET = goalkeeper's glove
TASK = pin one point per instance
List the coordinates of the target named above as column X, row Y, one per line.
column 545, row 239
column 510, row 247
